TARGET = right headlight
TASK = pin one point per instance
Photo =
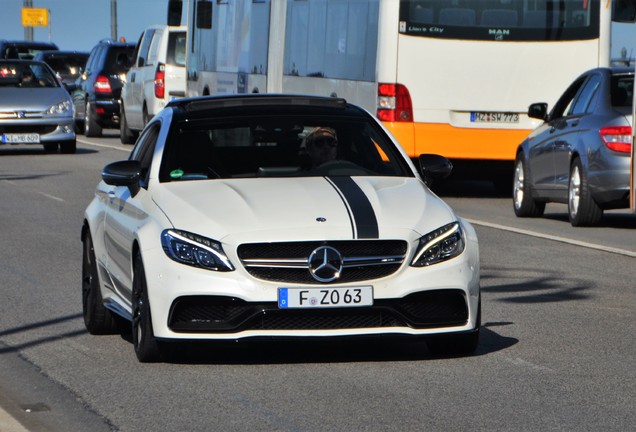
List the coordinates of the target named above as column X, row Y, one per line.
column 195, row 250
column 440, row 245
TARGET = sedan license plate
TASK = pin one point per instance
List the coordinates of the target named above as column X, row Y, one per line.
column 494, row 117
column 295, row 298
column 26, row 138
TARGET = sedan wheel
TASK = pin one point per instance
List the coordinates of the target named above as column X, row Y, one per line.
column 582, row 209
column 97, row 319
column 147, row 348
column 522, row 201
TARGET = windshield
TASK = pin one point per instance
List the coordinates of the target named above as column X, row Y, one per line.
column 504, row 20
column 26, row 75
column 289, row 146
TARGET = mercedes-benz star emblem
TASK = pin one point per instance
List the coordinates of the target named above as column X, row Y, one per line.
column 325, row 264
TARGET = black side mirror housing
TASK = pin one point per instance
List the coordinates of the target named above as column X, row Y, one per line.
column 538, row 111
column 434, row 167
column 123, row 173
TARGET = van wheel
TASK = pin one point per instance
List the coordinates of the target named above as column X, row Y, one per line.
column 126, row 135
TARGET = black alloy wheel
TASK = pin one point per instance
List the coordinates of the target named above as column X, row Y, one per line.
column 147, row 348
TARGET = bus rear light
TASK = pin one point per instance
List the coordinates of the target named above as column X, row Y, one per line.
column 617, row 138
column 160, row 83
column 394, row 103
column 102, row 84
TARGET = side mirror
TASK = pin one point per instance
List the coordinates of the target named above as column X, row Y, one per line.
column 123, row 173
column 538, row 111
column 434, row 167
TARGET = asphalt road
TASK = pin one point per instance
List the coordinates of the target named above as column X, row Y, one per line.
column 556, row 353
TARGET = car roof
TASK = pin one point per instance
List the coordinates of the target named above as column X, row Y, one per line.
column 254, row 104
column 35, row 44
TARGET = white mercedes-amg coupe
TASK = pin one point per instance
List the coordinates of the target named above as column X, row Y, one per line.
column 276, row 216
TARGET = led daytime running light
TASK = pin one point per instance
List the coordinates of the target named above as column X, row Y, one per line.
column 191, row 249
column 435, row 239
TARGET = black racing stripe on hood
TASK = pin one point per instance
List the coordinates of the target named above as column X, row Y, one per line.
column 363, row 216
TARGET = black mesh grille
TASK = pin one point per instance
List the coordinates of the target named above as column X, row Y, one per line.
column 302, row 250
column 229, row 315
column 40, row 129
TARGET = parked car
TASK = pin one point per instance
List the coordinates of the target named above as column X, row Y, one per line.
column 23, row 49
column 158, row 75
column 98, row 89
column 228, row 222
column 34, row 107
column 580, row 155
column 68, row 65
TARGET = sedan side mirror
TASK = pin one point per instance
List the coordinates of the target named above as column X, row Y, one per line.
column 538, row 111
column 434, row 167
column 123, row 173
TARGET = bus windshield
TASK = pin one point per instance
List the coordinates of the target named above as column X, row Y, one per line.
column 501, row 20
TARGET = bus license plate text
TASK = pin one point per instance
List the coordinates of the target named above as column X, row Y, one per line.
column 494, row 117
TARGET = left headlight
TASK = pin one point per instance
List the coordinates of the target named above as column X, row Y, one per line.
column 194, row 250
column 60, row 108
column 440, row 245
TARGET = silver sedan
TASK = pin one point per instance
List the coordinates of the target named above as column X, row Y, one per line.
column 580, row 155
column 34, row 107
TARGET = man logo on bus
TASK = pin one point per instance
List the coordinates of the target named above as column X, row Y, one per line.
column 498, row 33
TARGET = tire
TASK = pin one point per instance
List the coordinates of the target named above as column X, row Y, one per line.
column 68, row 147
column 146, row 117
column 50, row 147
column 91, row 128
column 97, row 319
column 147, row 348
column 458, row 343
column 582, row 209
column 522, row 201
column 126, row 135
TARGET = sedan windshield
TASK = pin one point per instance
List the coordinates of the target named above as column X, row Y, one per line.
column 26, row 75
column 280, row 146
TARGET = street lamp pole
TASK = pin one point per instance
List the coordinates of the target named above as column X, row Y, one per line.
column 113, row 19
column 28, row 30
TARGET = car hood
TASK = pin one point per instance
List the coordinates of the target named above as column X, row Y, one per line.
column 31, row 99
column 278, row 209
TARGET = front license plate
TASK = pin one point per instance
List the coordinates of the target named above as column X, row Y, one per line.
column 295, row 298
column 494, row 117
column 28, row 138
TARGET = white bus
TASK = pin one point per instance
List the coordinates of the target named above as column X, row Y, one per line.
column 452, row 77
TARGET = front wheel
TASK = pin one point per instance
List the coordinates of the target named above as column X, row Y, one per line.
column 523, row 203
column 147, row 348
column 582, row 209
column 97, row 319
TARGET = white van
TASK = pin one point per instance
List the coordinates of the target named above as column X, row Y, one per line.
column 158, row 75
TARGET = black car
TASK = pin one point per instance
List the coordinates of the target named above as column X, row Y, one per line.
column 68, row 65
column 98, row 91
column 22, row 49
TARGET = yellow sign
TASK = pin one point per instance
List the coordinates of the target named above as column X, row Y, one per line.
column 35, row 17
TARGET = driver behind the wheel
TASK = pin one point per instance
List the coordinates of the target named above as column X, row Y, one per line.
column 321, row 145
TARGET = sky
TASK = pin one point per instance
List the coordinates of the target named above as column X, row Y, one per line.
column 80, row 24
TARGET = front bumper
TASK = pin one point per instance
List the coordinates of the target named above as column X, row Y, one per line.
column 52, row 130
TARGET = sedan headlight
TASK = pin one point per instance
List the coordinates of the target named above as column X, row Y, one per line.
column 194, row 250
column 60, row 108
column 440, row 245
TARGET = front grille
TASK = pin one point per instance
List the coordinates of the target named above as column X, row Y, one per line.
column 439, row 308
column 39, row 129
column 287, row 262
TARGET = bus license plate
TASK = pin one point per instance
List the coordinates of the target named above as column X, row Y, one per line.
column 494, row 117
column 28, row 138
column 298, row 298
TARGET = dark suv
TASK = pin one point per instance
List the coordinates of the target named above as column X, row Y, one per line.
column 96, row 96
